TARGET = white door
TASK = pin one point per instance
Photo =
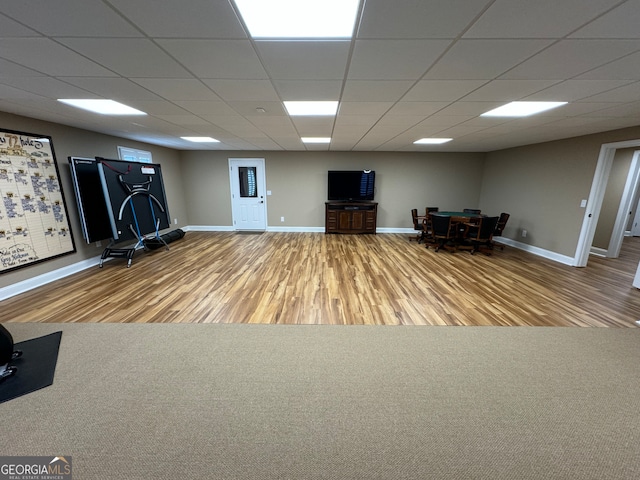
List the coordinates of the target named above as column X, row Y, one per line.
column 248, row 193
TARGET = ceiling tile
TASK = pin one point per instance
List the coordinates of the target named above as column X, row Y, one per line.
column 570, row 58
column 237, row 89
column 483, row 59
column 536, row 19
column 573, row 90
column 46, row 56
column 433, row 19
column 183, row 19
column 115, row 88
column 375, row 90
column 178, row 88
column 129, row 57
column 394, row 59
column 621, row 22
column 441, row 90
column 508, row 90
column 298, row 60
column 70, row 18
column 216, row 58
column 308, row 89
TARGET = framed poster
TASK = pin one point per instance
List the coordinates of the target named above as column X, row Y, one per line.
column 34, row 225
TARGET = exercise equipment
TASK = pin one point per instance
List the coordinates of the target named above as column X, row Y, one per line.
column 136, row 205
column 7, row 353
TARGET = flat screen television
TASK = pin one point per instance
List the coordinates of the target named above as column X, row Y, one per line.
column 351, row 185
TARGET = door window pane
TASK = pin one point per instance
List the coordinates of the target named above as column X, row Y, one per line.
column 248, row 187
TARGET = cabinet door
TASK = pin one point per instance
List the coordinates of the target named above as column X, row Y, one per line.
column 358, row 221
column 344, row 220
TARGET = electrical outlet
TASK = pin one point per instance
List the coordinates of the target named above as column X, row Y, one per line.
column 175, row 221
column 98, row 243
column 524, row 233
column 282, row 219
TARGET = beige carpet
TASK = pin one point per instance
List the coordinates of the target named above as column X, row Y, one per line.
column 328, row 402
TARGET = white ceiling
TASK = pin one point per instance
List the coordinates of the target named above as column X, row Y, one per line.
column 415, row 68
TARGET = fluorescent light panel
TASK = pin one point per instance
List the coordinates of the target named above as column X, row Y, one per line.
column 201, row 139
column 432, row 141
column 316, row 139
column 522, row 109
column 311, row 108
column 104, row 107
column 299, row 18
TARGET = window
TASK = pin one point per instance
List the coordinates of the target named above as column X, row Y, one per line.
column 133, row 155
column 247, row 177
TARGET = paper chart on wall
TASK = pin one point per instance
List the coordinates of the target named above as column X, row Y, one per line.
column 34, row 225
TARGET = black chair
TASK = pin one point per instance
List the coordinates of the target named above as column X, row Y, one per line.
column 444, row 233
column 481, row 235
column 418, row 225
column 502, row 221
column 472, row 210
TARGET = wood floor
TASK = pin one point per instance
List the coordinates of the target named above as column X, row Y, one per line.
column 313, row 278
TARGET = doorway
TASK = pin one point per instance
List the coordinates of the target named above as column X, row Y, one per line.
column 596, row 196
column 248, row 194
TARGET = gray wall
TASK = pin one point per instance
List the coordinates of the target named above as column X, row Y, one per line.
column 542, row 186
column 69, row 141
column 298, row 183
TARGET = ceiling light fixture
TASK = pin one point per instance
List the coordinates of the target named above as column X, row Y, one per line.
column 201, row 139
column 432, row 141
column 104, row 107
column 299, row 18
column 316, row 139
column 522, row 109
column 311, row 108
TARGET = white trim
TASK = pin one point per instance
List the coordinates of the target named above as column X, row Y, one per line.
column 540, row 252
column 45, row 278
column 296, row 229
column 208, row 228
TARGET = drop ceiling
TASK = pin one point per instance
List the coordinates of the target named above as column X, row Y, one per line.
column 414, row 69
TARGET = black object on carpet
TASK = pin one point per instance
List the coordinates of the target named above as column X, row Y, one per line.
column 36, row 367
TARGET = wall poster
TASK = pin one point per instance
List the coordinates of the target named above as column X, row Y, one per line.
column 34, row 225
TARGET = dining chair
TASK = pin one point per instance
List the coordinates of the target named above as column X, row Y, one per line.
column 444, row 233
column 481, row 234
column 418, row 225
column 472, row 210
column 502, row 221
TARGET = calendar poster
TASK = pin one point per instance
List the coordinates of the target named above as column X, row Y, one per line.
column 34, row 225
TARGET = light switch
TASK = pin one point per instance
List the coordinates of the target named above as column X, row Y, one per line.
column 583, row 203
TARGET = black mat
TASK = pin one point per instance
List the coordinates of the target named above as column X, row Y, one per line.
column 36, row 367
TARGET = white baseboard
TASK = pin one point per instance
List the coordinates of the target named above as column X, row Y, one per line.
column 40, row 280
column 541, row 252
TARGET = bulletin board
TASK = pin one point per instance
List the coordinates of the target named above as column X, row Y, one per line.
column 34, row 225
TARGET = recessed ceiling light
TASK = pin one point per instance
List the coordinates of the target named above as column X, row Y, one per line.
column 432, row 141
column 521, row 109
column 104, row 107
column 201, row 139
column 311, row 108
column 316, row 139
column 299, row 18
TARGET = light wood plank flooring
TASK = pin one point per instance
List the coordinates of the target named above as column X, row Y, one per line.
column 313, row 278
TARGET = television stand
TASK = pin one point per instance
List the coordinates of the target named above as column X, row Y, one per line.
column 350, row 217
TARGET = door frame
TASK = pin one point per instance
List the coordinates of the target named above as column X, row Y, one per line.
column 596, row 196
column 260, row 180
